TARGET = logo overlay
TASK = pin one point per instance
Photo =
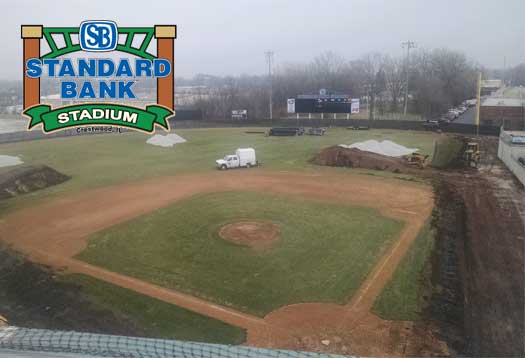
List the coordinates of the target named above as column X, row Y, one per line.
column 86, row 82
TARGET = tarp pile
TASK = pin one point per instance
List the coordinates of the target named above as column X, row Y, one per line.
column 168, row 140
column 7, row 161
column 386, row 147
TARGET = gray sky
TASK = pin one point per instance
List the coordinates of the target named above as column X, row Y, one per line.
column 229, row 37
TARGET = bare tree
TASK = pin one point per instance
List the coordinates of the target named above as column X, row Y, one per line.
column 371, row 68
column 394, row 81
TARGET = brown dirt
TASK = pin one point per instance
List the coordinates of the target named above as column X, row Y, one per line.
column 59, row 229
column 337, row 156
column 256, row 234
column 490, row 251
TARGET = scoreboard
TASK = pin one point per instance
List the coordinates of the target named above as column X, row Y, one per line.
column 324, row 104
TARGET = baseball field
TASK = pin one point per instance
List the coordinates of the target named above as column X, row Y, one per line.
column 286, row 255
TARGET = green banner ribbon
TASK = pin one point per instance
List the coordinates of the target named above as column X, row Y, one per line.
column 89, row 114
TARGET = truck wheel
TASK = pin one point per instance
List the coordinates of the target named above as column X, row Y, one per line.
column 248, row 165
column 223, row 167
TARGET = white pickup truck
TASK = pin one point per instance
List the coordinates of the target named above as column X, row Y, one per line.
column 243, row 158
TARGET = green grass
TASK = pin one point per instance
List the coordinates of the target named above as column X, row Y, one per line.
column 102, row 160
column 402, row 297
column 156, row 318
column 324, row 253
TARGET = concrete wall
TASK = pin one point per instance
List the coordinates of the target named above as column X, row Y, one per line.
column 509, row 154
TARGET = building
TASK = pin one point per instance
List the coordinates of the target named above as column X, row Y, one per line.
column 489, row 87
column 506, row 112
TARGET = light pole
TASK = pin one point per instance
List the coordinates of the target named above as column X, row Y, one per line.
column 269, row 57
column 408, row 45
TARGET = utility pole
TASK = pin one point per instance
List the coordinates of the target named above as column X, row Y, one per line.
column 408, row 45
column 269, row 58
column 504, row 69
column 478, row 103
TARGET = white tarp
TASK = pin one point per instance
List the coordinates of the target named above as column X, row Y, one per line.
column 386, row 147
column 165, row 141
column 7, row 161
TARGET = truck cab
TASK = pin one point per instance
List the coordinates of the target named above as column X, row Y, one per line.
column 243, row 158
column 228, row 162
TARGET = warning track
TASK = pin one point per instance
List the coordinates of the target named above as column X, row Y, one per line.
column 55, row 231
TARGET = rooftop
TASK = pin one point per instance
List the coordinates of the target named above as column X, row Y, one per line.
column 491, row 83
column 503, row 102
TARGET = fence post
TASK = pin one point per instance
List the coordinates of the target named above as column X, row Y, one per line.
column 166, row 35
column 31, row 35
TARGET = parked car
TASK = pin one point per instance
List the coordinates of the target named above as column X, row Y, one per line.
column 451, row 115
column 243, row 158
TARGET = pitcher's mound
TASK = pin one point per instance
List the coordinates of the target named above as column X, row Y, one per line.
column 256, row 234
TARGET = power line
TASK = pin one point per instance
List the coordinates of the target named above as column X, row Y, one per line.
column 408, row 45
column 269, row 58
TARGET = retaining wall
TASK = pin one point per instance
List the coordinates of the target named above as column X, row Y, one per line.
column 509, row 153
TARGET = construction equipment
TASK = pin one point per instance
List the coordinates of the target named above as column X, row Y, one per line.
column 316, row 131
column 416, row 159
column 472, row 155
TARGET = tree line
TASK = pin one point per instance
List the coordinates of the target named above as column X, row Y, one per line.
column 438, row 79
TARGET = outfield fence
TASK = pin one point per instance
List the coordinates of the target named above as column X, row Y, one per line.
column 101, row 345
column 459, row 128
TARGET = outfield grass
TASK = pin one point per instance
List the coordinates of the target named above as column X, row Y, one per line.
column 156, row 318
column 324, row 253
column 402, row 297
column 101, row 160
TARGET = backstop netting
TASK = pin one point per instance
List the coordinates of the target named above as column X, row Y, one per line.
column 101, row 345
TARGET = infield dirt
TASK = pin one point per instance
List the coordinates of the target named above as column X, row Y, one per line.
column 59, row 229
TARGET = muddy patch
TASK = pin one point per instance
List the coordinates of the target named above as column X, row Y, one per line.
column 256, row 234
column 28, row 178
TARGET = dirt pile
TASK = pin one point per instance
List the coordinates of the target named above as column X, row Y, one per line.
column 28, row 178
column 337, row 156
column 259, row 235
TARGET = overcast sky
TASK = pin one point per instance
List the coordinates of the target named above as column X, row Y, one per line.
column 230, row 37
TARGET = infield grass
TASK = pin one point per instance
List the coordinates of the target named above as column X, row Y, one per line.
column 324, row 253
column 155, row 318
column 402, row 297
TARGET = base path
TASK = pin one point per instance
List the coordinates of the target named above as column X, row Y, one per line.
column 54, row 232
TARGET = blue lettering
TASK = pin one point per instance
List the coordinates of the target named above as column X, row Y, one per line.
column 92, row 30
column 124, row 88
column 84, row 67
column 124, row 69
column 66, row 69
column 69, row 89
column 109, row 89
column 106, row 67
column 51, row 64
column 87, row 91
column 142, row 65
column 33, row 69
column 162, row 67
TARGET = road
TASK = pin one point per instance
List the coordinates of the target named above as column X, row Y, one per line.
column 469, row 117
